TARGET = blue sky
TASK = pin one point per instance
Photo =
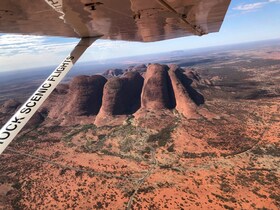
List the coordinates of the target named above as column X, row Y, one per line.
column 246, row 21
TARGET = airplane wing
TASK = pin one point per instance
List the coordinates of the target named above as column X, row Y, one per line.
column 131, row 20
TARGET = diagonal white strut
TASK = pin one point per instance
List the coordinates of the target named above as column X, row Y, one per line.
column 9, row 131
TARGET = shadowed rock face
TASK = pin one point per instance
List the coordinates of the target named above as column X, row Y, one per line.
column 10, row 106
column 85, row 95
column 35, row 120
column 134, row 84
column 56, row 104
column 113, row 72
column 61, row 89
column 7, row 110
column 193, row 75
column 122, row 95
column 197, row 97
column 157, row 90
column 140, row 68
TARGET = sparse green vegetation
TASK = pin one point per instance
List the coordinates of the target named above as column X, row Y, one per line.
column 275, row 197
column 255, row 191
column 242, row 179
column 127, row 144
column 225, row 199
column 228, row 207
column 68, row 137
column 162, row 137
column 199, row 155
column 225, row 185
column 271, row 149
column 146, row 190
column 171, row 148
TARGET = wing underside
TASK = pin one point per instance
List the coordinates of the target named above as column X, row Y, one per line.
column 132, row 20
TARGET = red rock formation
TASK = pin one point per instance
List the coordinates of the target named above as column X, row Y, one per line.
column 140, row 68
column 157, row 92
column 61, row 89
column 55, row 105
column 184, row 103
column 9, row 108
column 189, row 80
column 10, row 105
column 121, row 96
column 85, row 94
column 134, row 84
column 113, row 72
column 35, row 120
column 196, row 78
column 82, row 97
column 93, row 99
column 193, row 75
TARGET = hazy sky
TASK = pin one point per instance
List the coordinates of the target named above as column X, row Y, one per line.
column 249, row 20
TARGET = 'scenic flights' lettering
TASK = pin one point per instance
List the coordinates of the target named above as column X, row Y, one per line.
column 33, row 100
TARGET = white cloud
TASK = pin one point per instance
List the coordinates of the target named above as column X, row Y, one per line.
column 11, row 45
column 273, row 0
column 26, row 61
column 7, row 39
column 25, row 51
column 249, row 7
column 254, row 6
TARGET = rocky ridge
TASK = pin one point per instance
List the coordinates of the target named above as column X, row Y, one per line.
column 105, row 99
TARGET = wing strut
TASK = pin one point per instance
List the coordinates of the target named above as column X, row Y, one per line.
column 9, row 131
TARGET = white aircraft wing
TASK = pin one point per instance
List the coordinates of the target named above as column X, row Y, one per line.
column 132, row 20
